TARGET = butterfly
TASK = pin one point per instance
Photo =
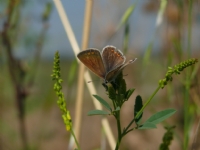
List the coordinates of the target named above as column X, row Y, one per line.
column 106, row 64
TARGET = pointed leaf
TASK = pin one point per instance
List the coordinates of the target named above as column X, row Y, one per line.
column 138, row 105
column 126, row 15
column 147, row 125
column 160, row 116
column 103, row 102
column 126, row 38
column 129, row 93
column 98, row 112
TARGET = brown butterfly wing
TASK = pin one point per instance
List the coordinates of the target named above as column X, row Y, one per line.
column 112, row 58
column 110, row 76
column 91, row 58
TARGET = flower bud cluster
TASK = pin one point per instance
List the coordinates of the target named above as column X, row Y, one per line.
column 176, row 69
column 58, row 87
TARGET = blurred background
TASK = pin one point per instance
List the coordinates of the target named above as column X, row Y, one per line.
column 158, row 35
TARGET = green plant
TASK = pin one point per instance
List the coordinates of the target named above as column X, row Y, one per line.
column 21, row 77
column 117, row 92
column 167, row 138
column 56, row 76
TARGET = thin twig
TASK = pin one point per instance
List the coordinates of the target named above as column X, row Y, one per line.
column 16, row 72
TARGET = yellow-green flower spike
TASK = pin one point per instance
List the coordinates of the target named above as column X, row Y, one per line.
column 176, row 69
column 58, row 87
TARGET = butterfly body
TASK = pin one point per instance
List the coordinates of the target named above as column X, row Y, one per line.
column 106, row 64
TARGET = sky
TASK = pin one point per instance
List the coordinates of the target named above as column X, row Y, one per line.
column 106, row 16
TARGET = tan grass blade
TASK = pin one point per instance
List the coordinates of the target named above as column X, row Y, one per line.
column 80, row 86
column 87, row 77
column 195, row 143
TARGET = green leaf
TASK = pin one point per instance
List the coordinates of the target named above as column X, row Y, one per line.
column 129, row 93
column 161, row 115
column 122, row 87
column 138, row 105
column 103, row 102
column 147, row 125
column 98, row 112
column 126, row 15
column 126, row 38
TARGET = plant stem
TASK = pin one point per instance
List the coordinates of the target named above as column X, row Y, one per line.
column 77, row 144
column 186, row 114
column 119, row 130
column 126, row 130
column 147, row 102
column 188, row 82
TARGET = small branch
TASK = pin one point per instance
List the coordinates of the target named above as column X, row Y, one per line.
column 16, row 72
